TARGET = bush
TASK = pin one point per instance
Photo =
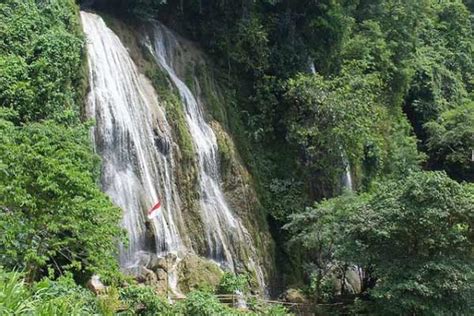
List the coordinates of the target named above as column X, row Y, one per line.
column 230, row 283
column 47, row 297
column 276, row 310
column 144, row 301
column 200, row 303
column 15, row 298
column 41, row 50
column 63, row 297
column 451, row 140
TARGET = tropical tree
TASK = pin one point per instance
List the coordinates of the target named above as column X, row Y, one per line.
column 413, row 237
column 52, row 213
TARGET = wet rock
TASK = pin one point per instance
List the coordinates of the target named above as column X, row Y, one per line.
column 95, row 285
column 161, row 143
column 170, row 261
column 150, row 277
column 240, row 303
column 161, row 274
column 146, row 276
column 143, row 258
column 346, row 281
column 157, row 263
column 166, row 263
column 354, row 280
column 162, row 289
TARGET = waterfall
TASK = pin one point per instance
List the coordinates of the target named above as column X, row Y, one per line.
column 347, row 177
column 311, row 67
column 134, row 140
column 225, row 234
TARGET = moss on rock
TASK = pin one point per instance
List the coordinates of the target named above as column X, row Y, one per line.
column 238, row 184
column 197, row 273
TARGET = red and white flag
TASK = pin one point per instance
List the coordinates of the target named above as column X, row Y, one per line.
column 154, row 210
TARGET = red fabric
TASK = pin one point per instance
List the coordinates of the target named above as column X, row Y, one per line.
column 152, row 212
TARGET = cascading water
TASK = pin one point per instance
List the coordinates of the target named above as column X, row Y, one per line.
column 347, row 177
column 311, row 67
column 133, row 139
column 225, row 233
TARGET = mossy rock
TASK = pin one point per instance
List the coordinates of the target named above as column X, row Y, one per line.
column 237, row 182
column 198, row 273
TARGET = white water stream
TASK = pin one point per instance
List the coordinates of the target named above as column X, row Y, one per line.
column 134, row 141
column 225, row 233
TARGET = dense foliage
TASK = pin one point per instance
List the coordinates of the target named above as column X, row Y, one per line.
column 231, row 283
column 382, row 89
column 64, row 297
column 53, row 213
column 412, row 237
column 379, row 90
column 450, row 140
column 53, row 217
column 61, row 297
column 40, row 60
column 389, row 55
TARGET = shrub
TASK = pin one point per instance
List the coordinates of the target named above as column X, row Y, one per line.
column 47, row 297
column 15, row 298
column 144, row 300
column 230, row 283
column 200, row 303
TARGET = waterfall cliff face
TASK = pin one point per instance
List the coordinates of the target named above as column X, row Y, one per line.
column 228, row 241
column 142, row 163
column 134, row 141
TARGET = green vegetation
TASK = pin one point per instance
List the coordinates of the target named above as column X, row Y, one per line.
column 230, row 283
column 53, row 216
column 331, row 119
column 41, row 51
column 307, row 89
column 174, row 112
column 60, row 297
column 64, row 297
column 450, row 141
column 412, row 237
column 144, row 298
column 391, row 96
column 144, row 8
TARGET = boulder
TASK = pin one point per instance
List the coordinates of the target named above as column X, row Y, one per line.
column 166, row 263
column 156, row 263
column 146, row 276
column 353, row 280
column 96, row 286
column 161, row 274
column 294, row 296
column 240, row 303
column 196, row 272
column 348, row 281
